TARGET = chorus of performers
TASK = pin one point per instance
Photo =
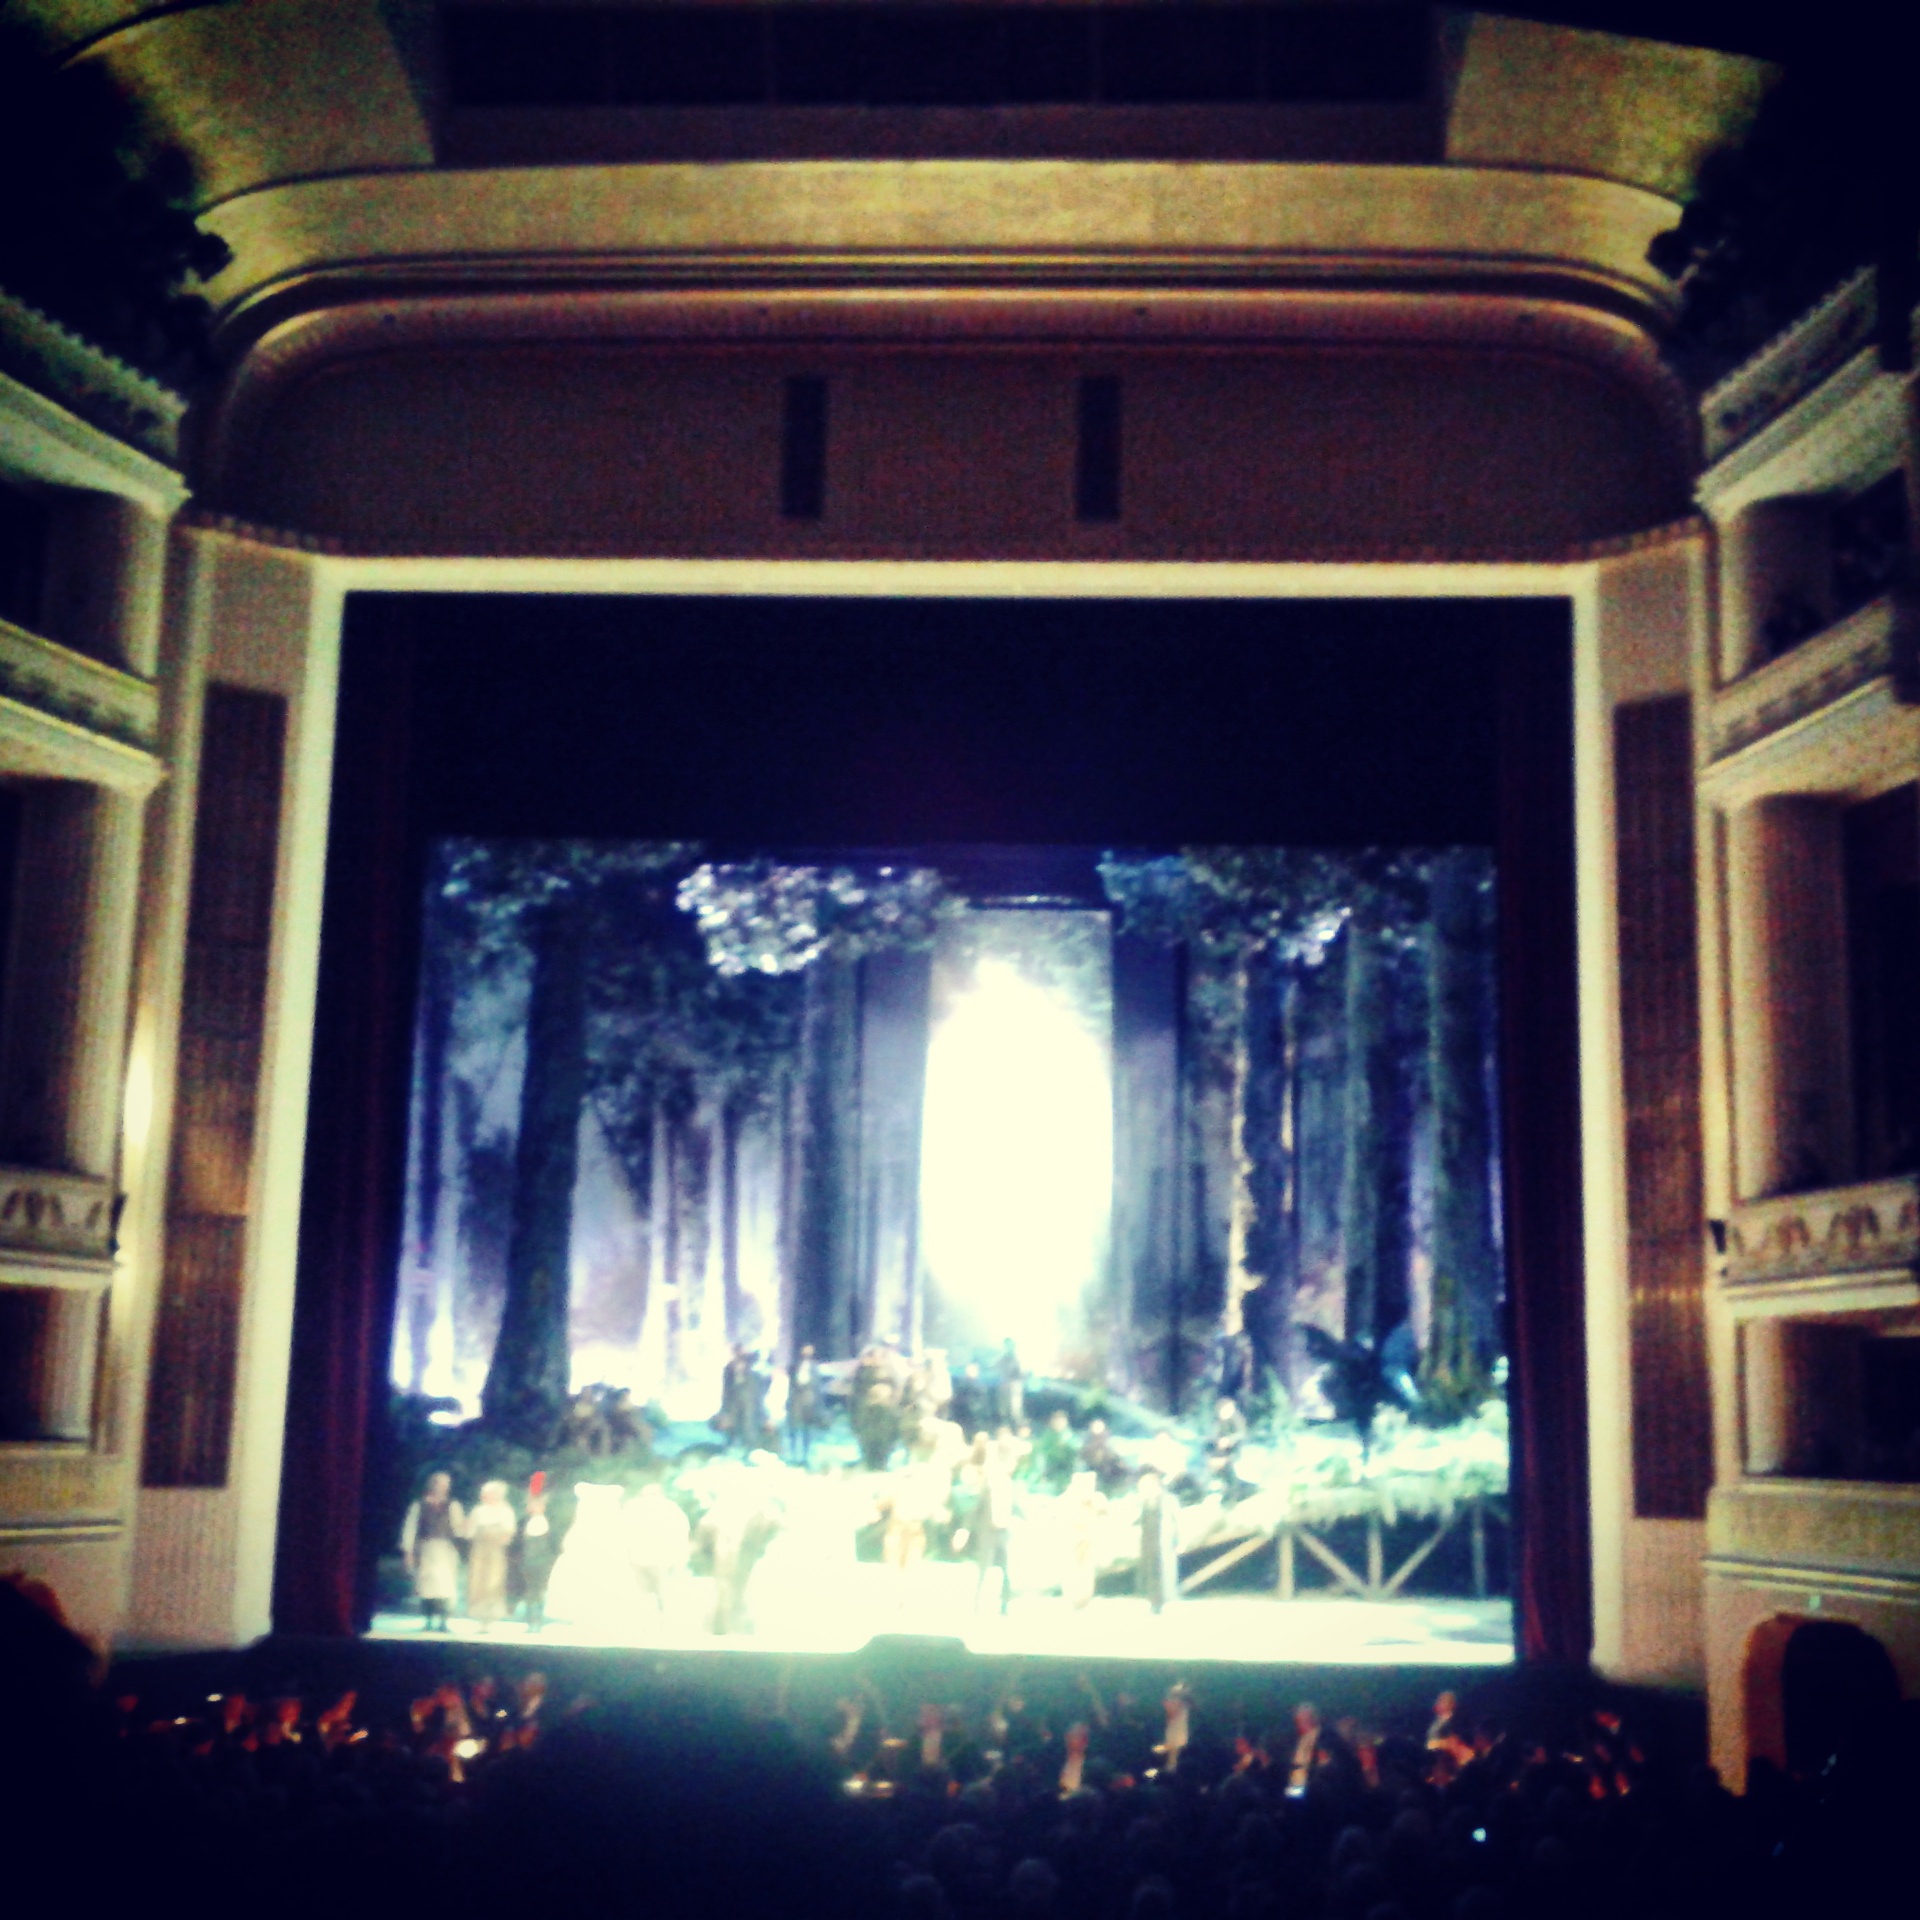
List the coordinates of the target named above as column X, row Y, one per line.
column 902, row 1457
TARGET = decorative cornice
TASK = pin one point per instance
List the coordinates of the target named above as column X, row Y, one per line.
column 1774, row 1576
column 1850, row 654
column 61, row 1490
column 89, row 382
column 67, row 1216
column 1836, row 1231
column 1789, row 366
column 1813, row 1529
column 1844, row 432
column 42, row 674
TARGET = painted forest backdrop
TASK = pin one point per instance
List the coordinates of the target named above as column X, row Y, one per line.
column 664, row 1104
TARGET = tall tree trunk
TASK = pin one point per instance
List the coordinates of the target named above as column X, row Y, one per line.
column 418, row 1279
column 825, row 1229
column 731, row 1120
column 429, row 1145
column 527, row 1384
column 1147, row 994
column 787, row 1109
column 1369, row 1023
column 894, row 1020
column 1290, row 1226
column 1245, row 1148
column 691, row 1203
column 1465, row 1262
column 660, row 1331
column 1262, row 1132
column 1183, row 1214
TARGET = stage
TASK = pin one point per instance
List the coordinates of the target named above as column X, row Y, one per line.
column 1244, row 1629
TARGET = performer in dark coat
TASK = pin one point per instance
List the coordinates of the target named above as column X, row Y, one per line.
column 803, row 1406
column 538, row 1549
column 1223, row 1449
column 876, row 1410
column 1159, row 1542
column 1097, row 1457
column 739, row 1417
column 1010, row 1389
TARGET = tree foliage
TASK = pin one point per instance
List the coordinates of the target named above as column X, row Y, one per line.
column 767, row 916
column 1225, row 902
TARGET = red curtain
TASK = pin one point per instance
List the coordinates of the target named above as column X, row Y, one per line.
column 1540, row 1128
column 356, row 1139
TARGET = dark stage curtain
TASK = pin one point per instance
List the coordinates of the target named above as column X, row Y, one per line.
column 356, row 1137
column 1540, row 1125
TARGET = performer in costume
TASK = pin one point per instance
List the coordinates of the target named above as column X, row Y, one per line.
column 876, row 1410
column 1081, row 1507
column 491, row 1527
column 738, row 1417
column 1223, row 1450
column 1097, row 1457
column 803, row 1407
column 661, row 1539
column 538, row 1550
column 1159, row 1542
column 429, row 1545
column 970, row 1406
column 989, row 1529
column 736, row 1531
column 1010, row 1388
column 917, row 1495
column 1054, row 1455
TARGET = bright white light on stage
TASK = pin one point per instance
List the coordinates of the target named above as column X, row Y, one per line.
column 1017, row 1147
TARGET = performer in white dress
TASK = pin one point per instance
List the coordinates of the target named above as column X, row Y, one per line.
column 491, row 1527
column 662, row 1536
column 595, row 1588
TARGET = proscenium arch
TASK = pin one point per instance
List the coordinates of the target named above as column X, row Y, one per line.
column 319, row 1572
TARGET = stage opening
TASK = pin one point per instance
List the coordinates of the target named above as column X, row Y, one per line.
column 1067, row 1250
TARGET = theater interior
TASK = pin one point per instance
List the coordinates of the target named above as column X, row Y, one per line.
column 542, row 353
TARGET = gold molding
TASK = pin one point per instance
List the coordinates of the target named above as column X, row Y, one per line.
column 962, row 221
column 73, row 686
column 60, row 1488
column 1837, row 1526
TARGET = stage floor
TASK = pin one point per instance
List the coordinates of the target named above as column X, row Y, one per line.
column 1244, row 1628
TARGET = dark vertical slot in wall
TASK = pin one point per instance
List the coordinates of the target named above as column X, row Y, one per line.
column 1882, row 839
column 1096, row 478
column 1660, row 1053
column 803, row 448
column 222, row 1030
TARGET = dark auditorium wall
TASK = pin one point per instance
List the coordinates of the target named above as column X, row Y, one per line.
column 617, row 448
